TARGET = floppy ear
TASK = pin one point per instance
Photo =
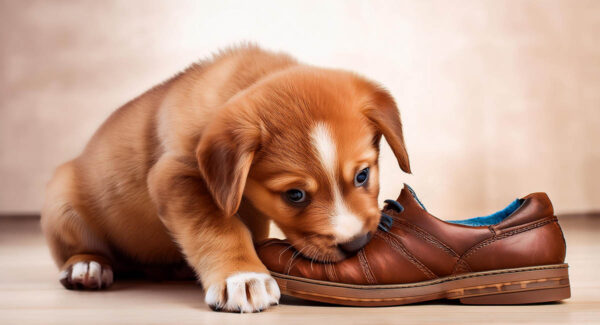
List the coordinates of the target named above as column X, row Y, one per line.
column 384, row 114
column 225, row 153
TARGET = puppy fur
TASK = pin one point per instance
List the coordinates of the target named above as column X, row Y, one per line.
column 191, row 172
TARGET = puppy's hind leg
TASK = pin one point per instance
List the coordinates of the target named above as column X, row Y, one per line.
column 83, row 258
column 86, row 272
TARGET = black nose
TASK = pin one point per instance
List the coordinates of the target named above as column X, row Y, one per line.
column 356, row 243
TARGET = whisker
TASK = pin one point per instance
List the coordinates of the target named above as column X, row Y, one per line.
column 312, row 259
column 283, row 251
column 295, row 255
column 292, row 246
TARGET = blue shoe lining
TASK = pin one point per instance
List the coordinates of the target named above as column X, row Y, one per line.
column 488, row 220
column 493, row 218
column 412, row 192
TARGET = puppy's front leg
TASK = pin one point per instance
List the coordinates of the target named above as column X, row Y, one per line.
column 219, row 248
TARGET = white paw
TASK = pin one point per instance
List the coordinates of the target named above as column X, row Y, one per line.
column 243, row 292
column 86, row 275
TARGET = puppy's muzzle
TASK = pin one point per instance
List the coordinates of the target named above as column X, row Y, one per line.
column 356, row 243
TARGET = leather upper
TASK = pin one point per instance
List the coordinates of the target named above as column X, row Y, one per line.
column 419, row 246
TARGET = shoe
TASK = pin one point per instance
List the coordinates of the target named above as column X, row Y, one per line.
column 514, row 256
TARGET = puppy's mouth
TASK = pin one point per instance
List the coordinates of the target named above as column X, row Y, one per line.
column 356, row 243
column 323, row 249
column 324, row 254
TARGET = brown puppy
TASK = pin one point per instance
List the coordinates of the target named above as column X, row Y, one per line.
column 193, row 170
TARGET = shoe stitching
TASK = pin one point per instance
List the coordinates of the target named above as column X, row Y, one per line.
column 427, row 237
column 335, row 275
column 489, row 241
column 462, row 266
column 435, row 281
column 330, row 271
column 366, row 269
column 398, row 246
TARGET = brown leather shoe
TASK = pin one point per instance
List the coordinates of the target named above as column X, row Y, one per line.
column 514, row 256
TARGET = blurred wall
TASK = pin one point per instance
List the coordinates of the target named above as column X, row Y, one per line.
column 498, row 98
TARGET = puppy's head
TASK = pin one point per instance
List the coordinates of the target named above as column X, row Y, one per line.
column 302, row 147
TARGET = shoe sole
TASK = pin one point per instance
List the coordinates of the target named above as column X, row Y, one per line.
column 523, row 285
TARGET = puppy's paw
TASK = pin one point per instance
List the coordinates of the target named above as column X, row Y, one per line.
column 243, row 292
column 86, row 275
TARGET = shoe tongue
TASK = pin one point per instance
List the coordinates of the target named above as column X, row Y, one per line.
column 409, row 197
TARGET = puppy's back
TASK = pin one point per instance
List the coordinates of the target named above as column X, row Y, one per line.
column 111, row 172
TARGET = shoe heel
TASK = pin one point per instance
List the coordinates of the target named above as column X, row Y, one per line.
column 522, row 297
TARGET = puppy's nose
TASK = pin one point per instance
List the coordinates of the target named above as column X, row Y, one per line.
column 356, row 243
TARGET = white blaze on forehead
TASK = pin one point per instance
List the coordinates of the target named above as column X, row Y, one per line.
column 323, row 142
column 345, row 223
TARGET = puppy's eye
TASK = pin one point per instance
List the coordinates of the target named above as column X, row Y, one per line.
column 295, row 195
column 361, row 177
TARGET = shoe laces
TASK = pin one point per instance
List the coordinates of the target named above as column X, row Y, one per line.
column 386, row 221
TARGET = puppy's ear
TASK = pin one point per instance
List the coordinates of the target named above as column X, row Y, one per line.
column 384, row 114
column 225, row 153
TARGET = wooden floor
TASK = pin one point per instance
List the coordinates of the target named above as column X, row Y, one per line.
column 31, row 294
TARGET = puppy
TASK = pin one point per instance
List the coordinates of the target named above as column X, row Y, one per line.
column 192, row 171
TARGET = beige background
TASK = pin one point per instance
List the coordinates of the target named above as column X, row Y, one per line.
column 498, row 98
